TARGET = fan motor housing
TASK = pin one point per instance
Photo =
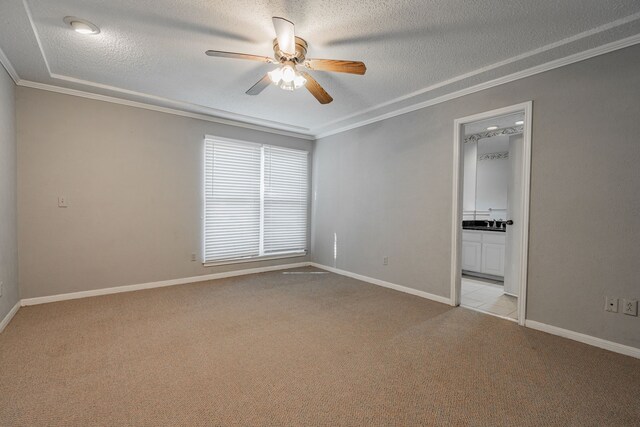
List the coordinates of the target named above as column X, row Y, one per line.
column 298, row 58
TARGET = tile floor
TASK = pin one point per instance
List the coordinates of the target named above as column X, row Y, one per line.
column 488, row 296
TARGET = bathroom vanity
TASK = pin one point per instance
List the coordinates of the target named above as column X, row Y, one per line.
column 483, row 251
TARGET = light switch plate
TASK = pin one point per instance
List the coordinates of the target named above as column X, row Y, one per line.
column 630, row 307
column 611, row 304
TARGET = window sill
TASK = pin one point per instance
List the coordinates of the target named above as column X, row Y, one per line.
column 256, row 259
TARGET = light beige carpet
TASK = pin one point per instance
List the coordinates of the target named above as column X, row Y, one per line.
column 299, row 349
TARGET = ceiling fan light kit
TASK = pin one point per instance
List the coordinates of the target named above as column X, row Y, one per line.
column 287, row 77
column 291, row 51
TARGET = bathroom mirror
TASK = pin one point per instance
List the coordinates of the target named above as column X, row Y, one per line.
column 487, row 169
column 492, row 173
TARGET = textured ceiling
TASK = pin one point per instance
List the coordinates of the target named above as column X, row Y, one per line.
column 153, row 50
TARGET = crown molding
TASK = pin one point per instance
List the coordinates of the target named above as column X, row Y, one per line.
column 556, row 63
column 278, row 129
column 522, row 56
column 152, row 107
column 186, row 109
column 224, row 117
column 7, row 66
column 185, row 106
column 166, row 105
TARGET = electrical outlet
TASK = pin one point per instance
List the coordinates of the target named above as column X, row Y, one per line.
column 630, row 307
column 611, row 304
column 385, row 260
column 194, row 256
column 62, row 202
column 1, row 286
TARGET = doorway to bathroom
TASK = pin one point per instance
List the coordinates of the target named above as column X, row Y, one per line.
column 492, row 162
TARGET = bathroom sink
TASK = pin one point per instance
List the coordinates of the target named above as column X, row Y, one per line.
column 483, row 228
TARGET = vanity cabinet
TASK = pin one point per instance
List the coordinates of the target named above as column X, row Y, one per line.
column 471, row 251
column 483, row 252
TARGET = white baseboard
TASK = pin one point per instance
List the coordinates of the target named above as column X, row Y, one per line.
column 160, row 284
column 586, row 339
column 9, row 316
column 554, row 330
column 382, row 283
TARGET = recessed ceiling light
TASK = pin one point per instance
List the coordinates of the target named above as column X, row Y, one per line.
column 81, row 26
column 492, row 127
column 520, row 122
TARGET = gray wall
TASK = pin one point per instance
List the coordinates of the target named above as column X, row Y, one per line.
column 8, row 224
column 385, row 190
column 133, row 180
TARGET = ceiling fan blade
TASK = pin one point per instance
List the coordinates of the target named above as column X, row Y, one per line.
column 339, row 66
column 316, row 90
column 285, row 33
column 221, row 54
column 260, row 86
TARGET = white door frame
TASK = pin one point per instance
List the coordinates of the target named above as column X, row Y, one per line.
column 456, row 227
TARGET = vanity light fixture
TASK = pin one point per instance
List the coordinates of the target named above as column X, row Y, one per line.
column 81, row 26
column 494, row 127
column 519, row 122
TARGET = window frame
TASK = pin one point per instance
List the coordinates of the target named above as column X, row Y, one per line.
column 271, row 256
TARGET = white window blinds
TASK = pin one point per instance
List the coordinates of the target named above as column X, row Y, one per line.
column 232, row 202
column 255, row 201
column 285, row 200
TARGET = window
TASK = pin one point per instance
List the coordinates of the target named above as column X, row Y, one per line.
column 255, row 201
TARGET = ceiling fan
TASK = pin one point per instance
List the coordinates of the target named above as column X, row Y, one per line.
column 290, row 51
